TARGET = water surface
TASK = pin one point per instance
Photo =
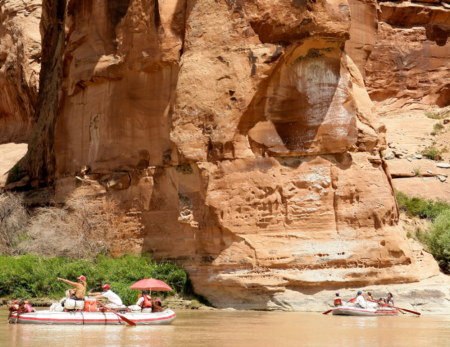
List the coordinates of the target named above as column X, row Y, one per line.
column 241, row 329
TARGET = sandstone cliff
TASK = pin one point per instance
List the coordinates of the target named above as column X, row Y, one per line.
column 20, row 54
column 242, row 131
column 402, row 50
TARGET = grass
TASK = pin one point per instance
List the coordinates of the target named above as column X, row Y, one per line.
column 416, row 171
column 32, row 276
column 436, row 115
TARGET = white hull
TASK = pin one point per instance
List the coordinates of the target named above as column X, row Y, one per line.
column 364, row 312
column 94, row 318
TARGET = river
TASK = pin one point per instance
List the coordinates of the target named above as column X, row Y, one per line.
column 241, row 329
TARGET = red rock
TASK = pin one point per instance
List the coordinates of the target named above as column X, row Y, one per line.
column 408, row 66
column 20, row 53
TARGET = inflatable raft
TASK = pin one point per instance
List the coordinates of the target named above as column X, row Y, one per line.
column 94, row 318
column 364, row 312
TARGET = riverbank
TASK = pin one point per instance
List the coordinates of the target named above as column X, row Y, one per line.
column 174, row 302
column 32, row 276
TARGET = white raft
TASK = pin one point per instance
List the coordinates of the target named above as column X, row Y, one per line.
column 94, row 318
column 364, row 312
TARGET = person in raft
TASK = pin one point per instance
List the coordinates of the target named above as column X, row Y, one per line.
column 145, row 301
column 390, row 300
column 113, row 299
column 80, row 291
column 14, row 307
column 24, row 307
column 360, row 301
column 370, row 297
column 337, row 300
column 158, row 305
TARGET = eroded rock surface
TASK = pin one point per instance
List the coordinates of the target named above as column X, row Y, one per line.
column 408, row 68
column 20, row 54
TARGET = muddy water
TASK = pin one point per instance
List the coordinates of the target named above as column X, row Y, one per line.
column 241, row 329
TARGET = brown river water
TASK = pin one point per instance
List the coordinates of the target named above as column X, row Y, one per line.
column 239, row 329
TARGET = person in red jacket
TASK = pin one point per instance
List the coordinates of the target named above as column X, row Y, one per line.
column 145, row 301
column 337, row 300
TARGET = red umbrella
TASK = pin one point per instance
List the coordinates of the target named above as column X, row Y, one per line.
column 151, row 284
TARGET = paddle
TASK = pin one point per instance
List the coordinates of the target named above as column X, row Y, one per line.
column 404, row 309
column 327, row 312
column 125, row 319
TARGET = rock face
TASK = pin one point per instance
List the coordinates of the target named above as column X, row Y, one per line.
column 20, row 54
column 241, row 130
column 406, row 47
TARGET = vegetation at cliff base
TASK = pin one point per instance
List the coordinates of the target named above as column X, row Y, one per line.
column 436, row 115
column 437, row 238
column 81, row 228
column 422, row 208
column 433, row 153
column 31, row 276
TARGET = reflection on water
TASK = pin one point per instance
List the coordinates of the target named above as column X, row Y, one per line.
column 239, row 329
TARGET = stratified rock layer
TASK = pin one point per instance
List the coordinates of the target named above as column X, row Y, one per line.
column 20, row 54
column 242, row 131
column 408, row 67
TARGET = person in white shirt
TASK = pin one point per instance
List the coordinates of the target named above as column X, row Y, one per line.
column 360, row 300
column 113, row 298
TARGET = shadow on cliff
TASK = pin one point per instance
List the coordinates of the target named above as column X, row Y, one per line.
column 296, row 115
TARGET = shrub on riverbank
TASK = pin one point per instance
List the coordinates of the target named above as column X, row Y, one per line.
column 36, row 276
column 82, row 227
column 422, row 208
column 437, row 239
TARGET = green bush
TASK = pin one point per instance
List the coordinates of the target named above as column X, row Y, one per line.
column 420, row 207
column 436, row 115
column 36, row 276
column 431, row 152
column 437, row 240
column 437, row 128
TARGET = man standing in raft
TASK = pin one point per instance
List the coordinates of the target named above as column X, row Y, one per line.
column 80, row 291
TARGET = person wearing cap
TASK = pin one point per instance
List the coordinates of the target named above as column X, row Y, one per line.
column 337, row 300
column 360, row 300
column 113, row 299
column 80, row 291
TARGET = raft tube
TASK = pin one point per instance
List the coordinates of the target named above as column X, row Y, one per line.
column 365, row 312
column 94, row 318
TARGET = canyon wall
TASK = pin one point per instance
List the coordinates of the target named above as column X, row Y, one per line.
column 243, row 132
column 20, row 54
column 402, row 50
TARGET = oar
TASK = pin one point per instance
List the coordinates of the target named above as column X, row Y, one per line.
column 404, row 309
column 328, row 311
column 125, row 319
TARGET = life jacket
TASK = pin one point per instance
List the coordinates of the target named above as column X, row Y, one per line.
column 147, row 302
column 337, row 302
column 352, row 300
